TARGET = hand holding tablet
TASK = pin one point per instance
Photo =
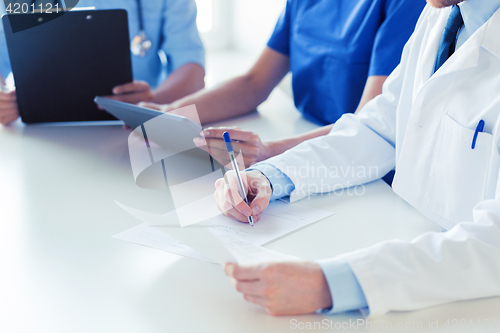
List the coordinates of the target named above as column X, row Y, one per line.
column 165, row 129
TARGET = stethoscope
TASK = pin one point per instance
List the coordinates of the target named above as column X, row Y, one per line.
column 140, row 44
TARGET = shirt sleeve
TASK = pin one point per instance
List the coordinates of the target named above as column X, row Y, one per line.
column 280, row 39
column 4, row 54
column 344, row 287
column 282, row 185
column 181, row 40
column 392, row 35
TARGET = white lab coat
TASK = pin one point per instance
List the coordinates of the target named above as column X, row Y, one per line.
column 424, row 126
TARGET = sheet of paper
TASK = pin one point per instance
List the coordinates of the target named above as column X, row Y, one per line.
column 148, row 236
column 223, row 247
column 202, row 240
column 246, row 253
column 220, row 248
column 278, row 220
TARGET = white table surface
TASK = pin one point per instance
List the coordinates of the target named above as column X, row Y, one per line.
column 60, row 270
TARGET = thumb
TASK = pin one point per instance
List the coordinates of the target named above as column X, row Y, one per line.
column 148, row 105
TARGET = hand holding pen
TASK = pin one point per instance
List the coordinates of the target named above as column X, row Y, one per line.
column 231, row 195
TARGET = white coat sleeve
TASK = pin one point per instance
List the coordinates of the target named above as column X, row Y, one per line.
column 460, row 264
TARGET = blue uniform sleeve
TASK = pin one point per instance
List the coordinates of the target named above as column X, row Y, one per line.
column 344, row 287
column 4, row 54
column 181, row 40
column 280, row 39
column 399, row 23
column 281, row 184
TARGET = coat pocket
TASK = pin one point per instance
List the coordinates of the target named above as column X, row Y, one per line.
column 458, row 173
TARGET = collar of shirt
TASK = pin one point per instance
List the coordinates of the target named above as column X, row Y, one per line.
column 475, row 13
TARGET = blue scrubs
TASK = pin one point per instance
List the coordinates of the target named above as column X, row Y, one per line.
column 335, row 45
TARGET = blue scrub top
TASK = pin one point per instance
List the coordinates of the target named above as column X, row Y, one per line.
column 169, row 24
column 335, row 45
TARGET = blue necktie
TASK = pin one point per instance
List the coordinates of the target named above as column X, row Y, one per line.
column 449, row 39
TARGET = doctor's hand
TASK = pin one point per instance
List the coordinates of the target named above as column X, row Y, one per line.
column 230, row 203
column 249, row 143
column 8, row 107
column 167, row 108
column 133, row 92
column 282, row 288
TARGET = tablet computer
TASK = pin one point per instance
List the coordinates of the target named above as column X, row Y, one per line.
column 135, row 116
column 63, row 60
column 169, row 138
column 132, row 115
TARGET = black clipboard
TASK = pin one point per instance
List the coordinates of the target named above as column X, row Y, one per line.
column 66, row 59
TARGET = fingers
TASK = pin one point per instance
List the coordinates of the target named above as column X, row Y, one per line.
column 132, row 98
column 238, row 272
column 225, row 206
column 249, row 288
column 8, row 108
column 217, row 148
column 201, row 143
column 232, row 194
column 260, row 189
column 235, row 133
column 232, row 213
column 133, row 92
column 5, row 120
column 214, row 144
column 220, row 154
column 8, row 97
column 262, row 198
column 230, row 202
column 132, row 87
column 149, row 105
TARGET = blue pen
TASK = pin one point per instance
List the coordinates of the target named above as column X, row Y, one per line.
column 479, row 129
column 230, row 151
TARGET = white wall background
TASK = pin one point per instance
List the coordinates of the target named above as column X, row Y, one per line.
column 238, row 25
column 254, row 22
column 234, row 33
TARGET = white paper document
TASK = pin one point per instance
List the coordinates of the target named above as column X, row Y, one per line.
column 152, row 237
column 278, row 220
column 217, row 247
column 221, row 239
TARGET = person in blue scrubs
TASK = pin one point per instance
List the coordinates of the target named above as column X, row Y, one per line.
column 171, row 69
column 339, row 53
